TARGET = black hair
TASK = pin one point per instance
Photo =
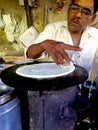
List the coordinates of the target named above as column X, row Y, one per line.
column 95, row 6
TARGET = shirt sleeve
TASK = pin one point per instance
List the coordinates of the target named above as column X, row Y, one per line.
column 49, row 32
column 46, row 34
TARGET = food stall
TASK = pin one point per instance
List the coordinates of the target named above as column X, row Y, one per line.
column 15, row 25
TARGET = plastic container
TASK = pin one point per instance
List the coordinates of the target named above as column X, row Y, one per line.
column 10, row 114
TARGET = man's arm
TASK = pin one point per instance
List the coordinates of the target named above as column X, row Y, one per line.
column 55, row 49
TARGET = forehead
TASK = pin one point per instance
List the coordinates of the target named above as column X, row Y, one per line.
column 85, row 3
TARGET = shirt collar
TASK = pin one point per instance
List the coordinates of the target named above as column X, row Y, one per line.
column 88, row 31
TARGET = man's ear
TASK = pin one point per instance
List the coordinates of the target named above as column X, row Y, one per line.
column 94, row 17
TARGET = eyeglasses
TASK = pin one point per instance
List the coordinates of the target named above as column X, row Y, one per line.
column 85, row 12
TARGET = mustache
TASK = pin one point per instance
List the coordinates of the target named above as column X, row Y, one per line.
column 75, row 20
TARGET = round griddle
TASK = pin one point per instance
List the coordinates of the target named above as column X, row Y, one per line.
column 9, row 77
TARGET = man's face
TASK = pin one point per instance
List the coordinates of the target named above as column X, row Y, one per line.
column 80, row 14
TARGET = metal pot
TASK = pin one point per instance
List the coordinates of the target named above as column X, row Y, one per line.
column 6, row 93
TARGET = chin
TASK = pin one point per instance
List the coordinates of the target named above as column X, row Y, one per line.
column 74, row 29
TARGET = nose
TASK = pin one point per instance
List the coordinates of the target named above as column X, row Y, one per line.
column 79, row 13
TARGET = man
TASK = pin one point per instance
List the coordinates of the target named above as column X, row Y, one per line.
column 72, row 40
column 56, row 38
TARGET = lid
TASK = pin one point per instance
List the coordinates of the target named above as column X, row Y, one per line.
column 6, row 93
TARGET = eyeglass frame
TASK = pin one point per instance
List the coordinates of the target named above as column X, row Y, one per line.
column 85, row 12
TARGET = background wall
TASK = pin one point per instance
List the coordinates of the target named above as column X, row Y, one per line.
column 11, row 26
column 13, row 20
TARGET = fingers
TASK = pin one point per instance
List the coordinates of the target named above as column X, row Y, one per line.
column 75, row 48
column 70, row 47
column 57, row 50
column 59, row 57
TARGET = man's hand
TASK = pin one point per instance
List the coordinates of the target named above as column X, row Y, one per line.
column 57, row 50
